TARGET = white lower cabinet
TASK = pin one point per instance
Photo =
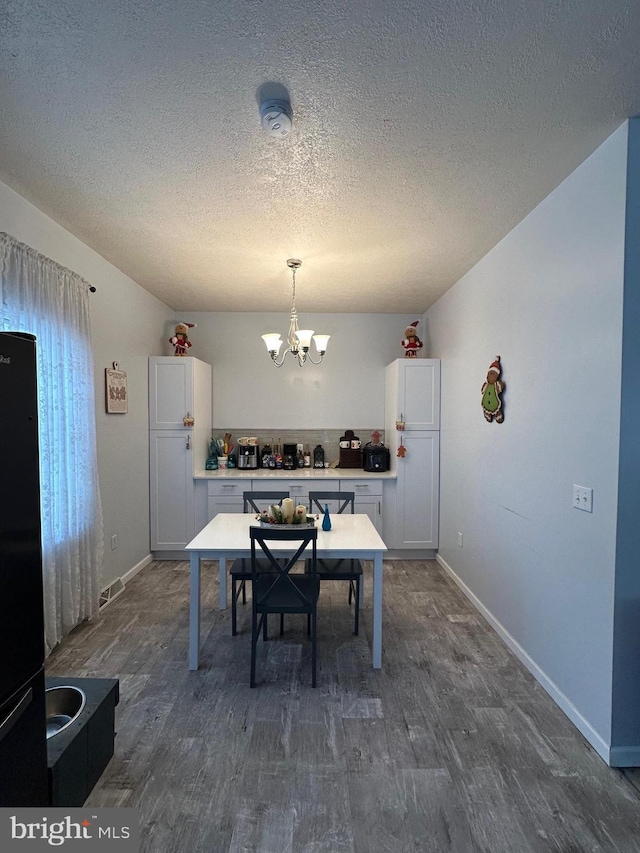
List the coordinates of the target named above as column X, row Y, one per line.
column 226, row 496
column 368, row 498
column 411, row 500
column 417, row 497
column 298, row 489
column 171, row 488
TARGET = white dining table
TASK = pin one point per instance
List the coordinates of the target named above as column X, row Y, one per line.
column 226, row 537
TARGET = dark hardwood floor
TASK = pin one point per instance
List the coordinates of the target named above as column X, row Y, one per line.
column 451, row 747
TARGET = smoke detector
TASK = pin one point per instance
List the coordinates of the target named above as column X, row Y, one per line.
column 276, row 117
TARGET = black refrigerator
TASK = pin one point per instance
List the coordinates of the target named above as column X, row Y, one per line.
column 23, row 744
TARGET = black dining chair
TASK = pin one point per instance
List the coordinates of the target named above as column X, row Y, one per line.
column 339, row 569
column 240, row 570
column 278, row 590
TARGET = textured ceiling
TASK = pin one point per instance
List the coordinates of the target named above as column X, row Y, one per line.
column 424, row 130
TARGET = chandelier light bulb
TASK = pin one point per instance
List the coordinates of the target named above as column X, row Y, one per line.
column 273, row 342
column 304, row 337
column 321, row 342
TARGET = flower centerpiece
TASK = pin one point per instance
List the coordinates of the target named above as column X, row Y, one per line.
column 285, row 514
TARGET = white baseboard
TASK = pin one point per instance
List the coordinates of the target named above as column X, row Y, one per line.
column 584, row 727
column 170, row 555
column 415, row 554
column 137, row 568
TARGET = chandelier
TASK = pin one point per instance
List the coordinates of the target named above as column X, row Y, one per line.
column 298, row 340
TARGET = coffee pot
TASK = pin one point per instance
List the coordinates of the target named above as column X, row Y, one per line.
column 289, row 456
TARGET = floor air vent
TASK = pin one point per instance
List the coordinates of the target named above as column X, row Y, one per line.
column 111, row 592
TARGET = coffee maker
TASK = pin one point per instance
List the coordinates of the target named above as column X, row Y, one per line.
column 289, row 456
column 248, row 455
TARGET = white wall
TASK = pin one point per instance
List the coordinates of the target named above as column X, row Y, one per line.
column 346, row 391
column 127, row 326
column 548, row 300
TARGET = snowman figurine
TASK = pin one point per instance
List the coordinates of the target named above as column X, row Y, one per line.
column 491, row 390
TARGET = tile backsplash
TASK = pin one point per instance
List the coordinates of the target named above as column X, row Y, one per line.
column 328, row 438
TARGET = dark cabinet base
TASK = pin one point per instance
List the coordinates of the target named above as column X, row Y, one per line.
column 78, row 755
column 23, row 750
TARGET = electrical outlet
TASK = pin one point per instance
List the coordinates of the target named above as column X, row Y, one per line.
column 460, row 539
column 114, row 541
column 583, row 498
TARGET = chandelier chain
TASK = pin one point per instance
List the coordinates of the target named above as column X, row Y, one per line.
column 293, row 300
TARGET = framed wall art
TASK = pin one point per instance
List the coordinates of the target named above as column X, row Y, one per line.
column 116, row 395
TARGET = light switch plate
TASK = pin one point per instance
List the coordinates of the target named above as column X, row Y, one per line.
column 583, row 498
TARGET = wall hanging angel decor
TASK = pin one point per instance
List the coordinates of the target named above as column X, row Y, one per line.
column 491, row 391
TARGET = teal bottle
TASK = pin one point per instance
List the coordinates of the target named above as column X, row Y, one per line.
column 326, row 521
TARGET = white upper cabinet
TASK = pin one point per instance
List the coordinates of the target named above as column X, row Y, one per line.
column 174, row 391
column 414, row 386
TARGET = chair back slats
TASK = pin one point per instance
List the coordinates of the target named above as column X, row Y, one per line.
column 344, row 499
column 250, row 500
column 281, row 591
column 279, row 573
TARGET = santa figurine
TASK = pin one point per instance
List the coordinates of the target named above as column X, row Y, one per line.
column 411, row 342
column 180, row 341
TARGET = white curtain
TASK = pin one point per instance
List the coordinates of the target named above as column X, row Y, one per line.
column 41, row 297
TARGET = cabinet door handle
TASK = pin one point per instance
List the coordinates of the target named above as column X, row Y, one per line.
column 228, row 485
column 379, row 508
column 188, row 442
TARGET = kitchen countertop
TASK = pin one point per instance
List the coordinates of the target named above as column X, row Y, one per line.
column 296, row 473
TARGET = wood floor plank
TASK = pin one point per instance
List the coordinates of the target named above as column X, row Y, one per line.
column 433, row 812
column 323, row 819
